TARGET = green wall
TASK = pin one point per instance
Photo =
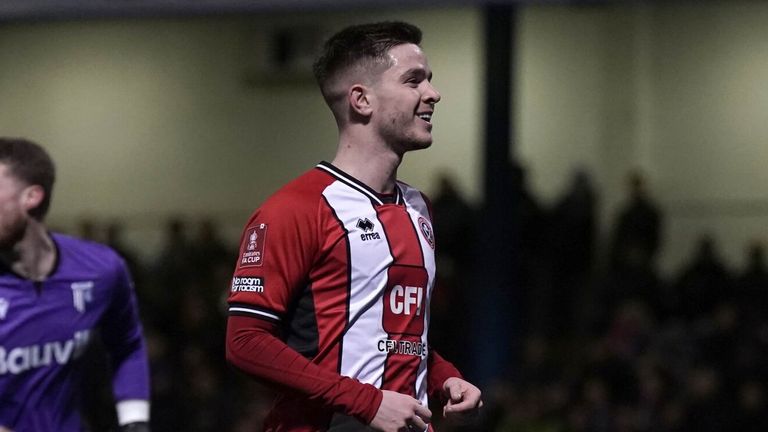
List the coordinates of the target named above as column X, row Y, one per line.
column 676, row 89
column 152, row 118
column 149, row 118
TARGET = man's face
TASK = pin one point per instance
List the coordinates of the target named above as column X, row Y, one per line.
column 13, row 215
column 405, row 100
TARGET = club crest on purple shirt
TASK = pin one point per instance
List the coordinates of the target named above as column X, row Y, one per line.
column 82, row 294
column 4, row 303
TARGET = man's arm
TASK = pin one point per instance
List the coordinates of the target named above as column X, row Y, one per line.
column 253, row 347
column 462, row 400
column 439, row 370
column 123, row 338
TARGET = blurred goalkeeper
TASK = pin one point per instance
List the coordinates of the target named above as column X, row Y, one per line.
column 56, row 294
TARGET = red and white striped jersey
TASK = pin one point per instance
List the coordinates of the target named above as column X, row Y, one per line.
column 347, row 274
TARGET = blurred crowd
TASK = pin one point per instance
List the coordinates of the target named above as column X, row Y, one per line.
column 609, row 344
column 182, row 299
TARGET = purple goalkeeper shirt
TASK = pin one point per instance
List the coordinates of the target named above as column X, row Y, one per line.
column 46, row 326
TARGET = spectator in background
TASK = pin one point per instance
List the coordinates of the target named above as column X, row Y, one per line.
column 752, row 287
column 631, row 273
column 175, row 255
column 752, row 410
column 572, row 243
column 171, row 273
column 637, row 233
column 211, row 261
column 114, row 239
column 454, row 221
column 707, row 410
column 530, row 220
column 634, row 281
column 704, row 282
column 208, row 250
column 526, row 247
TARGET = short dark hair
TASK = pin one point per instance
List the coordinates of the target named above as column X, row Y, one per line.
column 30, row 163
column 366, row 44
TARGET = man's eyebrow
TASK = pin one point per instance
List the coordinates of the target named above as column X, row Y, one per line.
column 417, row 71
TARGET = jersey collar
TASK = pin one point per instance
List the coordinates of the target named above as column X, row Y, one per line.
column 358, row 185
column 6, row 269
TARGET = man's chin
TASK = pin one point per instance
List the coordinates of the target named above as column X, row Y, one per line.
column 9, row 239
column 6, row 244
column 419, row 145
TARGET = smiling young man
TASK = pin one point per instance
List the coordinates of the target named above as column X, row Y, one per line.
column 330, row 297
column 55, row 293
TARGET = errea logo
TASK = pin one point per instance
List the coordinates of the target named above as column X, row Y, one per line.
column 367, row 226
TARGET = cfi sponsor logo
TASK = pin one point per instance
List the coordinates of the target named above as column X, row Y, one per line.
column 4, row 304
column 82, row 293
column 406, row 347
column 426, row 231
column 405, row 301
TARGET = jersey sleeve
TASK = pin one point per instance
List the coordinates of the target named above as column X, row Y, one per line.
column 253, row 347
column 121, row 333
column 439, row 370
column 277, row 249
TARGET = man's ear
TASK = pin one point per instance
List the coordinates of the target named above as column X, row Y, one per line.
column 360, row 100
column 32, row 196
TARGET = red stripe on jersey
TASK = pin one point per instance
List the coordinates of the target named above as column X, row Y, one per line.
column 404, row 244
column 404, row 301
column 401, row 369
column 333, row 272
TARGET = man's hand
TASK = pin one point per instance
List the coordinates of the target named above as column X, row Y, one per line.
column 464, row 401
column 399, row 413
column 4, row 429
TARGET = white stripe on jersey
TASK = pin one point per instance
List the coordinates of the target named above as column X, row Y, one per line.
column 369, row 261
column 254, row 311
column 416, row 207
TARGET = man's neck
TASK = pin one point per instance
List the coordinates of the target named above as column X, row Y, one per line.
column 34, row 256
column 372, row 163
